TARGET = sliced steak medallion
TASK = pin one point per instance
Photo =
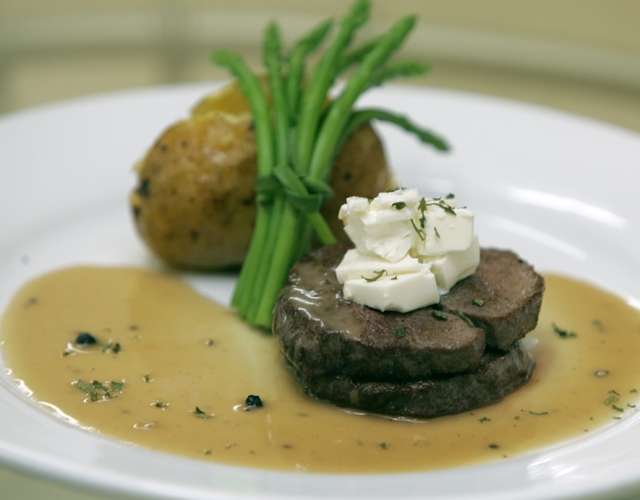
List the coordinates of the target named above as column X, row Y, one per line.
column 503, row 297
column 499, row 374
column 322, row 334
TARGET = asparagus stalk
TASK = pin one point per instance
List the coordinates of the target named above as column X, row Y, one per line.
column 298, row 136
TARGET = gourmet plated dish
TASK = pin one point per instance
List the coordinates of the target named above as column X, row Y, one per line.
column 387, row 338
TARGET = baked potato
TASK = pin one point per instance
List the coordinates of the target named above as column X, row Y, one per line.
column 194, row 202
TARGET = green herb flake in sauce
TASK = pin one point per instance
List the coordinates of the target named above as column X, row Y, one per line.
column 201, row 414
column 96, row 390
column 562, row 333
column 401, row 331
column 113, row 347
column 84, row 387
column 117, row 386
column 478, row 302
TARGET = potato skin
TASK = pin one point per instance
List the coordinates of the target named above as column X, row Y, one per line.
column 194, row 203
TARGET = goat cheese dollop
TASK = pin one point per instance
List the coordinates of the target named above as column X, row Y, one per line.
column 408, row 250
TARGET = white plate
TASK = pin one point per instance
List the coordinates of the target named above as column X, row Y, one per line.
column 560, row 189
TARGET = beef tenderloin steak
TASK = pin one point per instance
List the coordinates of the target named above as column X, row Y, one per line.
column 503, row 297
column 499, row 373
column 322, row 334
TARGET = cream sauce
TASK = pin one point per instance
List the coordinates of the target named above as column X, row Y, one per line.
column 178, row 351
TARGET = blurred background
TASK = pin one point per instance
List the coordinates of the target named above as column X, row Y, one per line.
column 581, row 56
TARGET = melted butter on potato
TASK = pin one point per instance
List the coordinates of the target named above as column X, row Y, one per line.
column 194, row 203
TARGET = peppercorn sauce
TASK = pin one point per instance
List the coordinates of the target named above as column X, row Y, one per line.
column 171, row 370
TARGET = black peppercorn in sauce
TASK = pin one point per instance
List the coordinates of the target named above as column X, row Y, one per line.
column 171, row 370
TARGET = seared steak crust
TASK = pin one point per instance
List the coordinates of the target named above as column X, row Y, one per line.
column 499, row 374
column 323, row 334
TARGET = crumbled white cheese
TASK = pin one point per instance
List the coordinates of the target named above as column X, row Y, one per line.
column 446, row 228
column 400, row 292
column 354, row 265
column 408, row 249
column 454, row 266
column 382, row 226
